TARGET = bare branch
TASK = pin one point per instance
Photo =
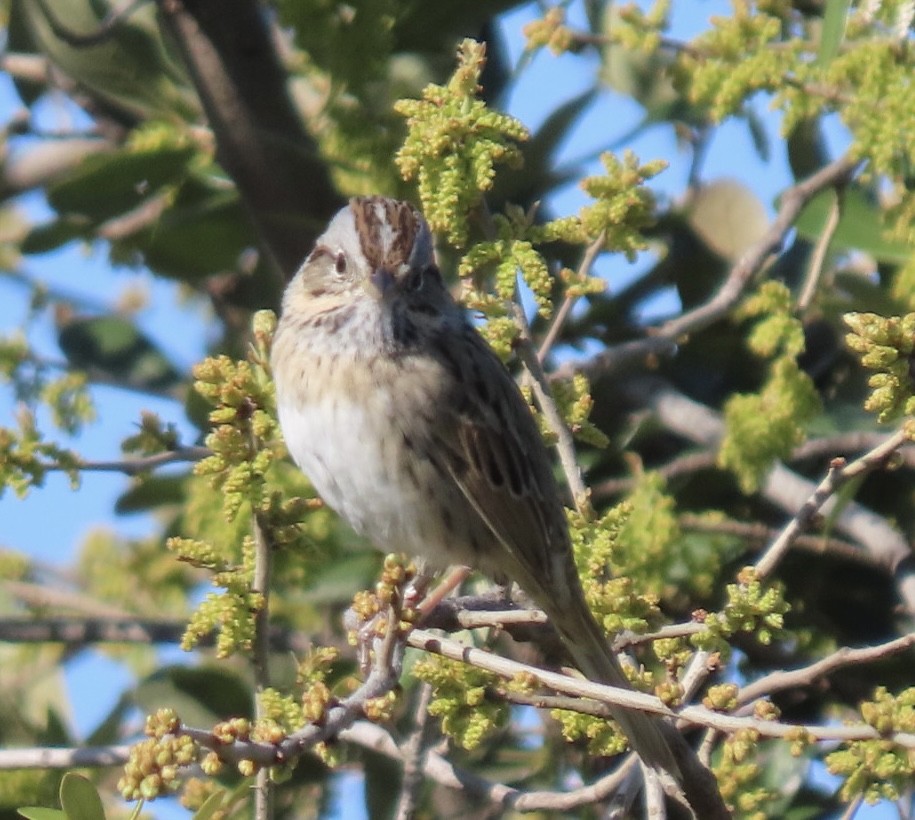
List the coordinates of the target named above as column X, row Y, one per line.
column 696, row 715
column 30, row 67
column 144, row 215
column 565, row 444
column 45, row 597
column 824, row 446
column 818, row 258
column 134, row 466
column 839, row 474
column 779, row 681
column 369, row 736
column 229, row 52
column 414, row 752
column 785, row 488
column 584, row 270
column 442, row 771
column 760, row 533
column 39, row 164
column 59, row 758
column 664, row 339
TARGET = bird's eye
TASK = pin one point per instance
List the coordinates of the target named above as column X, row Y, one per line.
column 340, row 263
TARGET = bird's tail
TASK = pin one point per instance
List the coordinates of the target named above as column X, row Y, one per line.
column 594, row 657
column 658, row 743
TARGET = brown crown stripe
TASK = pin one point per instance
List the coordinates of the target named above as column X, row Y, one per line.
column 376, row 215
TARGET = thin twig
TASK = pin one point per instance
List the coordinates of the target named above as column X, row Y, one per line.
column 839, row 473
column 852, row 809
column 413, row 753
column 584, row 270
column 681, row 465
column 133, row 466
column 846, row 656
column 627, row 640
column 848, row 443
column 263, row 560
column 664, row 339
column 760, row 533
column 818, row 257
column 565, row 444
column 692, row 714
column 117, row 627
column 129, row 223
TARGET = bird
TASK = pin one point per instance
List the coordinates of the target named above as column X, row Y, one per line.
column 408, row 425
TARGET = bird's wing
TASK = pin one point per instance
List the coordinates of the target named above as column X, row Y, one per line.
column 497, row 458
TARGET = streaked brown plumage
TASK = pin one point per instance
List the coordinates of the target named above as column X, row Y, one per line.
column 412, row 429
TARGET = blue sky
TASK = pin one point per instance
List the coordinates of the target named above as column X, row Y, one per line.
column 52, row 522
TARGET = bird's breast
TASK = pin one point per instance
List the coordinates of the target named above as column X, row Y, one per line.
column 361, row 430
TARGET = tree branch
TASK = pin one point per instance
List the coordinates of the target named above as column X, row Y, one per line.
column 565, row 309
column 263, row 561
column 259, row 137
column 840, row 473
column 60, row 758
column 134, row 466
column 846, row 656
column 695, row 715
column 818, row 258
column 697, row 423
column 663, row 340
column 565, row 443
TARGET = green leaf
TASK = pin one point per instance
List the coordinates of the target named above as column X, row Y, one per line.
column 201, row 696
column 807, row 150
column 833, row 30
column 130, row 69
column 39, row 813
column 758, row 134
column 339, row 579
column 55, row 732
column 51, row 235
column 728, row 217
column 860, row 226
column 80, row 799
column 109, row 184
column 152, row 492
column 113, row 345
column 198, row 240
column 382, row 784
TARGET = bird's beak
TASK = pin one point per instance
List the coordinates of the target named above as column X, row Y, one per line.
column 381, row 280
